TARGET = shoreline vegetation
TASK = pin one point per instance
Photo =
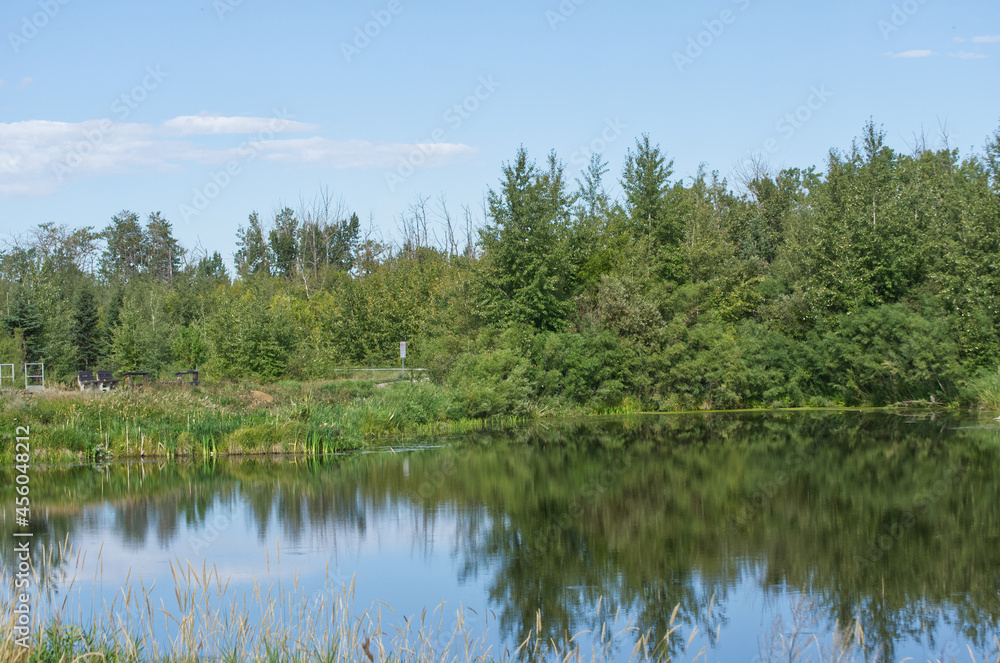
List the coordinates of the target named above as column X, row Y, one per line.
column 169, row 421
column 166, row 421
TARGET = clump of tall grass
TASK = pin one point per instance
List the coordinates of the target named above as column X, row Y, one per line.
column 984, row 390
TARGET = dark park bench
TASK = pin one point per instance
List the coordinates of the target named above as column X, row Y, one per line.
column 103, row 380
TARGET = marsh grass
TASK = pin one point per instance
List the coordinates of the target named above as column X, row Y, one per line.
column 984, row 390
column 171, row 421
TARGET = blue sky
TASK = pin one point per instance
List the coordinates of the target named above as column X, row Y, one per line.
column 207, row 110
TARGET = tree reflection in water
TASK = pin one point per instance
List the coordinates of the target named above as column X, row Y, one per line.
column 886, row 519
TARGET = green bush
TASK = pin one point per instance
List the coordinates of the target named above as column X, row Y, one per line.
column 890, row 354
column 494, row 382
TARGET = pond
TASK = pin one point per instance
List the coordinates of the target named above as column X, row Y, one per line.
column 751, row 535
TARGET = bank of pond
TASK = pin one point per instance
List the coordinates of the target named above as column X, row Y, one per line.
column 288, row 417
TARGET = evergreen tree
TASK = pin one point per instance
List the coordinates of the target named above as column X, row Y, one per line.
column 646, row 183
column 163, row 253
column 283, row 241
column 524, row 275
column 253, row 255
column 125, row 252
column 212, row 267
column 24, row 318
column 87, row 330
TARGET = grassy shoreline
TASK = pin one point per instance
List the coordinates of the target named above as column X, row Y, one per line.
column 227, row 419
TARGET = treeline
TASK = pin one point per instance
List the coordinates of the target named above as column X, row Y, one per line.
column 872, row 282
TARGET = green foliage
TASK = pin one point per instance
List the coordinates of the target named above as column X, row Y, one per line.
column 496, row 381
column 87, row 335
column 190, row 347
column 875, row 282
column 252, row 334
column 984, row 390
column 253, row 255
column 890, row 354
column 141, row 337
column 524, row 276
column 24, row 318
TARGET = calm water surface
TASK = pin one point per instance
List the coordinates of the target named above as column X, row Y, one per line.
column 756, row 525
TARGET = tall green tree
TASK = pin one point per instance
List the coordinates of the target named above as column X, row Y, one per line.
column 87, row 331
column 524, row 275
column 253, row 255
column 284, row 243
column 125, row 250
column 23, row 317
column 646, row 184
column 163, row 253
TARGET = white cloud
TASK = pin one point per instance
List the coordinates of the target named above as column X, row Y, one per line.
column 986, row 39
column 205, row 125
column 911, row 54
column 341, row 154
column 959, row 40
column 965, row 55
column 25, row 82
column 38, row 157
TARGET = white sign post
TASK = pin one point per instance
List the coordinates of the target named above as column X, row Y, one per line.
column 402, row 358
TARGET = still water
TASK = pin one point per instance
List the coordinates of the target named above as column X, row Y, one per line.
column 758, row 527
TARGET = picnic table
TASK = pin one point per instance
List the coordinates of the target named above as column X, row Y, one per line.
column 129, row 378
column 194, row 376
column 103, row 380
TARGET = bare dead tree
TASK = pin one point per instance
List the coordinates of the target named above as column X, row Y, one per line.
column 451, row 245
column 753, row 168
column 470, row 225
column 919, row 145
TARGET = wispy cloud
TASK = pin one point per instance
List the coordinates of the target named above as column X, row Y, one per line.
column 38, row 157
column 965, row 55
column 208, row 125
column 358, row 153
column 911, row 54
column 986, row 39
column 25, row 82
